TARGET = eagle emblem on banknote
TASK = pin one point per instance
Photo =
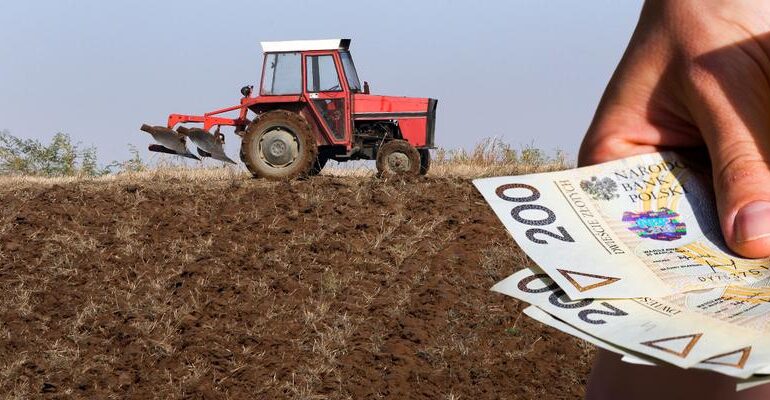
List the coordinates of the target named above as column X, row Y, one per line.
column 600, row 189
column 658, row 225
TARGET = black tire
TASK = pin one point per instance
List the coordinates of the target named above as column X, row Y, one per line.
column 318, row 165
column 398, row 157
column 280, row 145
column 424, row 161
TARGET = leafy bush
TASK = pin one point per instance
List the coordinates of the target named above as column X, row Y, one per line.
column 61, row 157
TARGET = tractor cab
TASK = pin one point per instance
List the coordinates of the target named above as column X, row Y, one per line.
column 322, row 73
column 282, row 67
column 311, row 107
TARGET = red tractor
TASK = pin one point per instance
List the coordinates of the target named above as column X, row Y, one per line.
column 311, row 108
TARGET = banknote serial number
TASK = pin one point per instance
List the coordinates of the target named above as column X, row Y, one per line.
column 522, row 213
column 559, row 299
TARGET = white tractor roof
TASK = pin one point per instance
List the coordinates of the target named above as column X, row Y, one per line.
column 305, row 45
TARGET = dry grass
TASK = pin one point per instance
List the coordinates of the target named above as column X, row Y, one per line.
column 493, row 157
column 490, row 157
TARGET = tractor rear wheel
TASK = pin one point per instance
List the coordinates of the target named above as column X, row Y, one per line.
column 280, row 145
column 424, row 161
column 398, row 157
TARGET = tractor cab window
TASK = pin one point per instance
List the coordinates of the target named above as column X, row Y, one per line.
column 350, row 71
column 322, row 74
column 283, row 74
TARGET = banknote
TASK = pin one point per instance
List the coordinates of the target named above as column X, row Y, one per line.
column 673, row 329
column 742, row 307
column 543, row 317
column 644, row 226
column 754, row 381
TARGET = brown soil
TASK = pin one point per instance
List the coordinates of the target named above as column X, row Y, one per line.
column 340, row 288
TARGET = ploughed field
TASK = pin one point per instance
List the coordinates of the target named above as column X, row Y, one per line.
column 332, row 287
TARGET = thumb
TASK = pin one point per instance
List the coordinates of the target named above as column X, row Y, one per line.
column 736, row 130
column 742, row 186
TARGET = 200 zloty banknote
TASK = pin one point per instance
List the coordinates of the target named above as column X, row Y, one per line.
column 730, row 364
column 724, row 362
column 717, row 329
column 644, row 226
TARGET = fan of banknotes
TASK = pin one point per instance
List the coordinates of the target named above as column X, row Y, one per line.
column 631, row 258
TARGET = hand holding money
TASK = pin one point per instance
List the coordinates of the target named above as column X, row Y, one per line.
column 695, row 77
column 630, row 253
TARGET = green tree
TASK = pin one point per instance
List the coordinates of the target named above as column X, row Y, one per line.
column 61, row 157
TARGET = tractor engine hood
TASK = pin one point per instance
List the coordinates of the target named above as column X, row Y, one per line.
column 416, row 116
column 367, row 104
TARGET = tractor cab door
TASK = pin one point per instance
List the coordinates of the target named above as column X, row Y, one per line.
column 328, row 94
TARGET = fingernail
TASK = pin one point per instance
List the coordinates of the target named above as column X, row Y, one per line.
column 752, row 222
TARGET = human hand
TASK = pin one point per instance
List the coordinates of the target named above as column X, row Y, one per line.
column 696, row 75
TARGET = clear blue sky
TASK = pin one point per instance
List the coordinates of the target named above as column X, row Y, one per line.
column 530, row 72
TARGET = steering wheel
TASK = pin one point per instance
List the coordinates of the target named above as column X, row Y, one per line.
column 333, row 88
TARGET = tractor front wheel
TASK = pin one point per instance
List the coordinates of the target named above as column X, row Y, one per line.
column 398, row 157
column 280, row 145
